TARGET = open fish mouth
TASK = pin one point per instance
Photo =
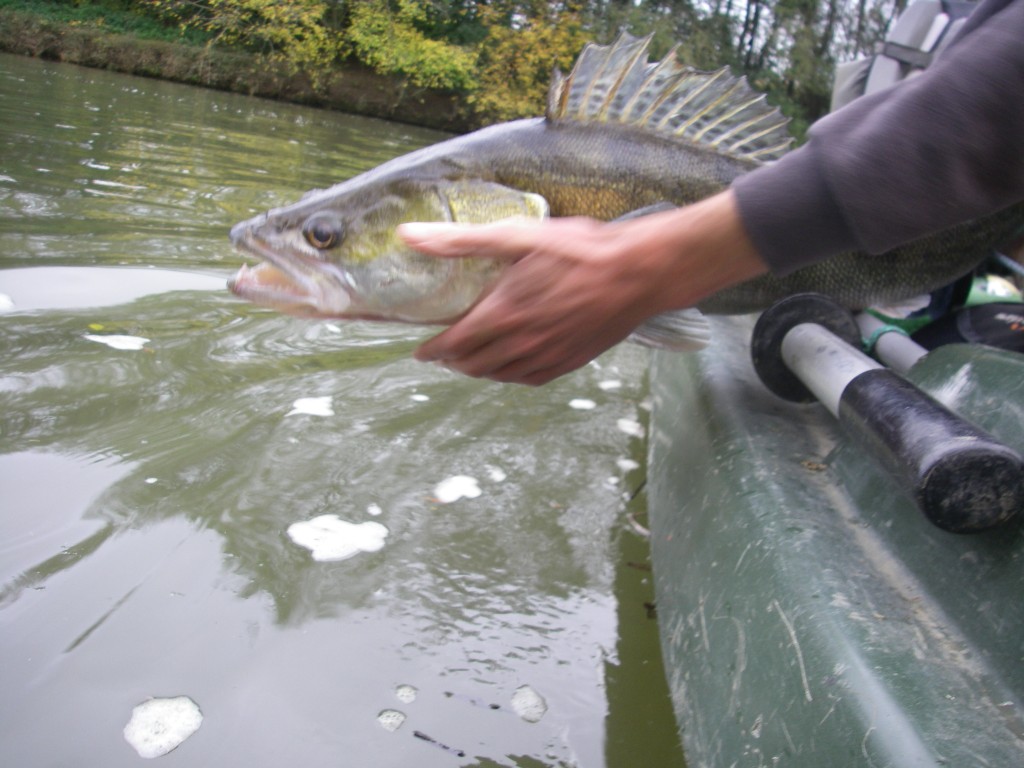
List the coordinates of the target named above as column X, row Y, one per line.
column 295, row 284
column 266, row 284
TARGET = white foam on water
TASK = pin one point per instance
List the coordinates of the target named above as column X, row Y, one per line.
column 374, row 509
column 609, row 385
column 630, row 427
column 312, row 406
column 114, row 341
column 406, row 693
column 150, row 480
column 419, row 398
column 455, row 488
column 330, row 538
column 497, row 474
column 627, row 465
column 582, row 404
column 6, row 303
column 528, row 704
column 390, row 719
column 158, row 726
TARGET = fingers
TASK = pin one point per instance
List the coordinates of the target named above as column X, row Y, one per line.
column 485, row 345
column 555, row 308
column 510, row 239
column 484, row 342
column 527, row 370
column 518, row 349
column 532, row 373
column 450, row 344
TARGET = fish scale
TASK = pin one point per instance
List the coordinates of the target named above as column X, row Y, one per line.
column 620, row 134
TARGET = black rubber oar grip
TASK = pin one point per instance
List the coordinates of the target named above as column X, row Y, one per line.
column 963, row 480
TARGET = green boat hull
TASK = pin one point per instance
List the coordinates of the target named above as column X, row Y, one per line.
column 809, row 614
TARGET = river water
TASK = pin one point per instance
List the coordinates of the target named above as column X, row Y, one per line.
column 159, row 439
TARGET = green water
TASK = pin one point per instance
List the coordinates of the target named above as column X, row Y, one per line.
column 153, row 457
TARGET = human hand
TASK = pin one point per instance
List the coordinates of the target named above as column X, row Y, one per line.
column 575, row 287
column 560, row 302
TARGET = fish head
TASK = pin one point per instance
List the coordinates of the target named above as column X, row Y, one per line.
column 336, row 253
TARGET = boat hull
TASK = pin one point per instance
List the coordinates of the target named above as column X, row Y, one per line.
column 809, row 613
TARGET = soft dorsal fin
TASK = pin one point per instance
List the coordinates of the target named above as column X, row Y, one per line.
column 616, row 83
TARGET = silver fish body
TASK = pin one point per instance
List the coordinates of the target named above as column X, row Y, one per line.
column 653, row 133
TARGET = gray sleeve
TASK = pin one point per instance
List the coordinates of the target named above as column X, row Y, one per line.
column 938, row 149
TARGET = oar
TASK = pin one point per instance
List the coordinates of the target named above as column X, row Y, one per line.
column 805, row 347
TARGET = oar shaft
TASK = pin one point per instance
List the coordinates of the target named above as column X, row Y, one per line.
column 893, row 347
column 823, row 362
column 962, row 478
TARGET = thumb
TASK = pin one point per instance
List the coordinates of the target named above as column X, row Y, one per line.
column 510, row 239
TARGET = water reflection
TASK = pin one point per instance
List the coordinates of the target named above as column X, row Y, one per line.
column 148, row 489
column 59, row 288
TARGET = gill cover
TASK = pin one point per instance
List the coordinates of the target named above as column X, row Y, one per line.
column 386, row 279
column 480, row 202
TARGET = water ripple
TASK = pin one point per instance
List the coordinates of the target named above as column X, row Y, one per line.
column 152, row 461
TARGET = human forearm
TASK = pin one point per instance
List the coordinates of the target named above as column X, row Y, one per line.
column 699, row 249
column 936, row 150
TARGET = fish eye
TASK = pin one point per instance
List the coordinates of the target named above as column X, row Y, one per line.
column 322, row 230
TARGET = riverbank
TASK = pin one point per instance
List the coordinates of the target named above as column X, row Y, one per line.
column 354, row 89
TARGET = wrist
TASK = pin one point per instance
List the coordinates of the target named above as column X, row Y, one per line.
column 690, row 253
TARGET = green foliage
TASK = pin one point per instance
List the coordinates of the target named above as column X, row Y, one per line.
column 392, row 38
column 289, row 30
column 526, row 41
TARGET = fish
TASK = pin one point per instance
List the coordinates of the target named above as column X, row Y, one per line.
column 621, row 135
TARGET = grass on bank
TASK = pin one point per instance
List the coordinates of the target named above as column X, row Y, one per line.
column 112, row 16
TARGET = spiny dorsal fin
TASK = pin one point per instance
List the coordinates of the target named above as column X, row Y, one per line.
column 616, row 83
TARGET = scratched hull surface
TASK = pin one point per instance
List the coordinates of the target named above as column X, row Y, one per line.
column 810, row 614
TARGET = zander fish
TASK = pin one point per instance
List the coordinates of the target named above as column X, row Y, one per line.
column 620, row 134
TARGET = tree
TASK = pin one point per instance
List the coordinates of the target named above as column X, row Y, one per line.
column 392, row 39
column 289, row 30
column 525, row 42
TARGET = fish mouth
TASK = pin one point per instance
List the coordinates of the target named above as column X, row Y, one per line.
column 290, row 283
